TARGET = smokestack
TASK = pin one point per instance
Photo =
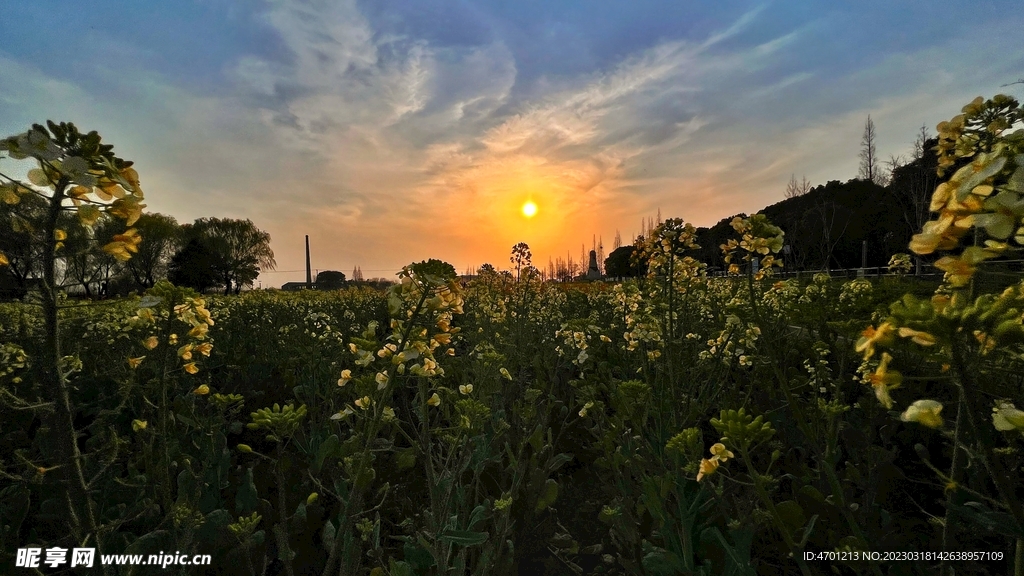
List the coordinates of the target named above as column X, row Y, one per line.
column 309, row 272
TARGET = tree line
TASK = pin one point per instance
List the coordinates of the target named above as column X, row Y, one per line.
column 828, row 225
column 210, row 253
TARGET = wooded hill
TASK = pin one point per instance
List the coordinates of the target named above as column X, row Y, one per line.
column 826, row 226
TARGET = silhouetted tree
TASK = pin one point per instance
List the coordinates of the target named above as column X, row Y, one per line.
column 868, row 154
column 240, row 249
column 330, row 280
column 794, row 188
column 193, row 266
column 20, row 243
column 620, row 263
column 161, row 236
column 84, row 263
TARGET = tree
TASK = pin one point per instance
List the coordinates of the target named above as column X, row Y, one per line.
column 19, row 241
column 621, row 263
column 330, row 280
column 869, row 169
column 921, row 143
column 794, row 188
column 84, row 262
column 895, row 161
column 193, row 266
column 240, row 249
column 161, row 236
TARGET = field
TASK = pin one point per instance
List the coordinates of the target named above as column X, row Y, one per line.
column 507, row 426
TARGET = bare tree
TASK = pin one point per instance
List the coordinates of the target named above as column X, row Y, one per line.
column 869, row 169
column 618, row 241
column 794, row 188
column 827, row 216
column 922, row 138
column 895, row 161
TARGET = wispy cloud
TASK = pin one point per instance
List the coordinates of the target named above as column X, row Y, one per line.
column 387, row 143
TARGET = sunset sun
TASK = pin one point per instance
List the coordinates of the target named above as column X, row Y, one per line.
column 529, row 209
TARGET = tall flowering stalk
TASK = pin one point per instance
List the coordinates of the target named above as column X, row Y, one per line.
column 74, row 172
column 422, row 307
column 965, row 333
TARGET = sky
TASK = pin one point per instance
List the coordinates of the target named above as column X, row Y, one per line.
column 392, row 131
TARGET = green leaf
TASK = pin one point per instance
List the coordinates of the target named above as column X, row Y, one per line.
column 417, row 557
column 661, row 562
column 548, row 495
column 186, row 420
column 150, row 543
column 976, row 178
column 300, row 513
column 792, row 515
column 246, row 499
column 537, row 438
column 812, row 493
column 399, row 568
column 186, row 484
column 406, row 458
column 463, row 537
column 216, row 523
column 557, row 461
column 477, row 515
column 328, row 534
column 980, row 515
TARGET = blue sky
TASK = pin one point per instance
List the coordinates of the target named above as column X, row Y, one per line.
column 392, row 131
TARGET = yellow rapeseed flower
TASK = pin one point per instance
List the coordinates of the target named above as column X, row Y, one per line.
column 199, row 331
column 434, row 400
column 707, row 467
column 348, row 411
column 151, row 342
column 1006, row 417
column 363, row 402
column 873, row 336
column 124, row 245
column 925, row 412
column 204, row 348
column 721, row 453
column 190, row 368
column 139, row 425
column 884, row 380
column 918, row 337
column 134, row 362
column 505, row 373
column 465, row 389
column 346, row 375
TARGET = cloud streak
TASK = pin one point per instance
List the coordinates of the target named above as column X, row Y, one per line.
column 389, row 137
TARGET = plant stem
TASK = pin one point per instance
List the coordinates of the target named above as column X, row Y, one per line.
column 80, row 504
column 284, row 552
